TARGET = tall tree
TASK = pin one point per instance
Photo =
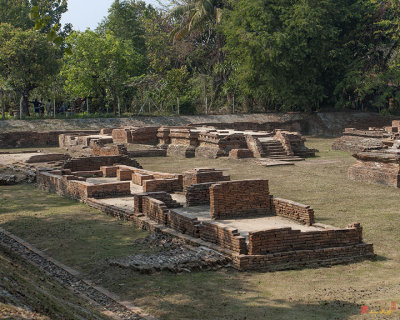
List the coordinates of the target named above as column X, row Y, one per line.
column 125, row 21
column 290, row 54
column 27, row 60
column 196, row 15
column 100, row 65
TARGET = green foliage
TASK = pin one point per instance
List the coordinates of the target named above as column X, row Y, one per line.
column 125, row 21
column 27, row 59
column 100, row 65
column 16, row 13
column 288, row 53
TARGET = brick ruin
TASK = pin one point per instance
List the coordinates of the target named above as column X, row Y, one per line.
column 354, row 140
column 191, row 141
column 378, row 164
column 377, row 167
column 239, row 219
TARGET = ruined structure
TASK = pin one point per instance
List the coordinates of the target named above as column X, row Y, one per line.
column 354, row 140
column 380, row 166
column 239, row 219
column 191, row 141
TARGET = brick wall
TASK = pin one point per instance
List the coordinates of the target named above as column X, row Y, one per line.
column 106, row 190
column 154, row 209
column 203, row 175
column 304, row 258
column 183, row 223
column 139, row 178
column 162, row 196
column 198, row 194
column 240, row 199
column 240, row 153
column 293, row 210
column 76, row 188
column 225, row 237
column 124, row 174
column 379, row 168
column 121, row 136
column 94, row 163
column 145, row 135
column 109, row 171
column 167, row 185
column 113, row 150
column 286, row 239
column 88, row 174
column 31, row 139
column 255, row 146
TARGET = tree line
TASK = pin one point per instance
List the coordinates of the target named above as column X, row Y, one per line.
column 203, row 56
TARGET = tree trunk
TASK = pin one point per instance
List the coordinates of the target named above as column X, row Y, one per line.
column 179, row 108
column 3, row 111
column 24, row 105
column 119, row 107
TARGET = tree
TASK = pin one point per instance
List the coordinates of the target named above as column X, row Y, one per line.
column 100, row 65
column 290, row 54
column 27, row 60
column 177, row 83
column 195, row 15
column 16, row 13
column 125, row 21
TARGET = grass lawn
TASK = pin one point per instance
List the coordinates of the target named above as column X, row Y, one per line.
column 81, row 238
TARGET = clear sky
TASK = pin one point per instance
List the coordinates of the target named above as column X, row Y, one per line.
column 85, row 14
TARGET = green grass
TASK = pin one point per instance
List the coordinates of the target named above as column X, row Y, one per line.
column 27, row 286
column 70, row 231
column 67, row 230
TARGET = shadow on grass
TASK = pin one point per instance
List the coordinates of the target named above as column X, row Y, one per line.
column 78, row 240
column 215, row 295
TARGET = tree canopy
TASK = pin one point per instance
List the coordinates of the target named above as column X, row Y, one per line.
column 214, row 56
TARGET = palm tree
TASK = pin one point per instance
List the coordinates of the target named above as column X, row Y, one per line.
column 195, row 15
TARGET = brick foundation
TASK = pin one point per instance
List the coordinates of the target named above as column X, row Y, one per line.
column 225, row 237
column 198, row 194
column 240, row 154
column 94, row 163
column 286, row 239
column 203, row 175
column 240, row 198
column 292, row 210
column 378, row 168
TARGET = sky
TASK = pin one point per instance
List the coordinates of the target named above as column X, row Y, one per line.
column 85, row 14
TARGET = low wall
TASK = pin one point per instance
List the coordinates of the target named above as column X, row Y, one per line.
column 292, row 210
column 226, row 237
column 203, row 175
column 198, row 194
column 378, row 168
column 183, row 223
column 304, row 258
column 77, row 188
column 167, row 185
column 106, row 190
column 286, row 239
column 155, row 209
column 94, row 163
column 33, row 139
column 240, row 198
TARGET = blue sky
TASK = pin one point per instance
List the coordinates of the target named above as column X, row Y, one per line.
column 85, row 14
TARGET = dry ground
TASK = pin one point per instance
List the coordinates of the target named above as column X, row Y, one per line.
column 81, row 238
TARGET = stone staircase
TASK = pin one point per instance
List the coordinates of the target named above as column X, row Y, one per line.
column 273, row 149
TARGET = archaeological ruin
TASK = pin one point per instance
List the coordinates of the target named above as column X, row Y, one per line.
column 190, row 141
column 355, row 140
column 240, row 220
